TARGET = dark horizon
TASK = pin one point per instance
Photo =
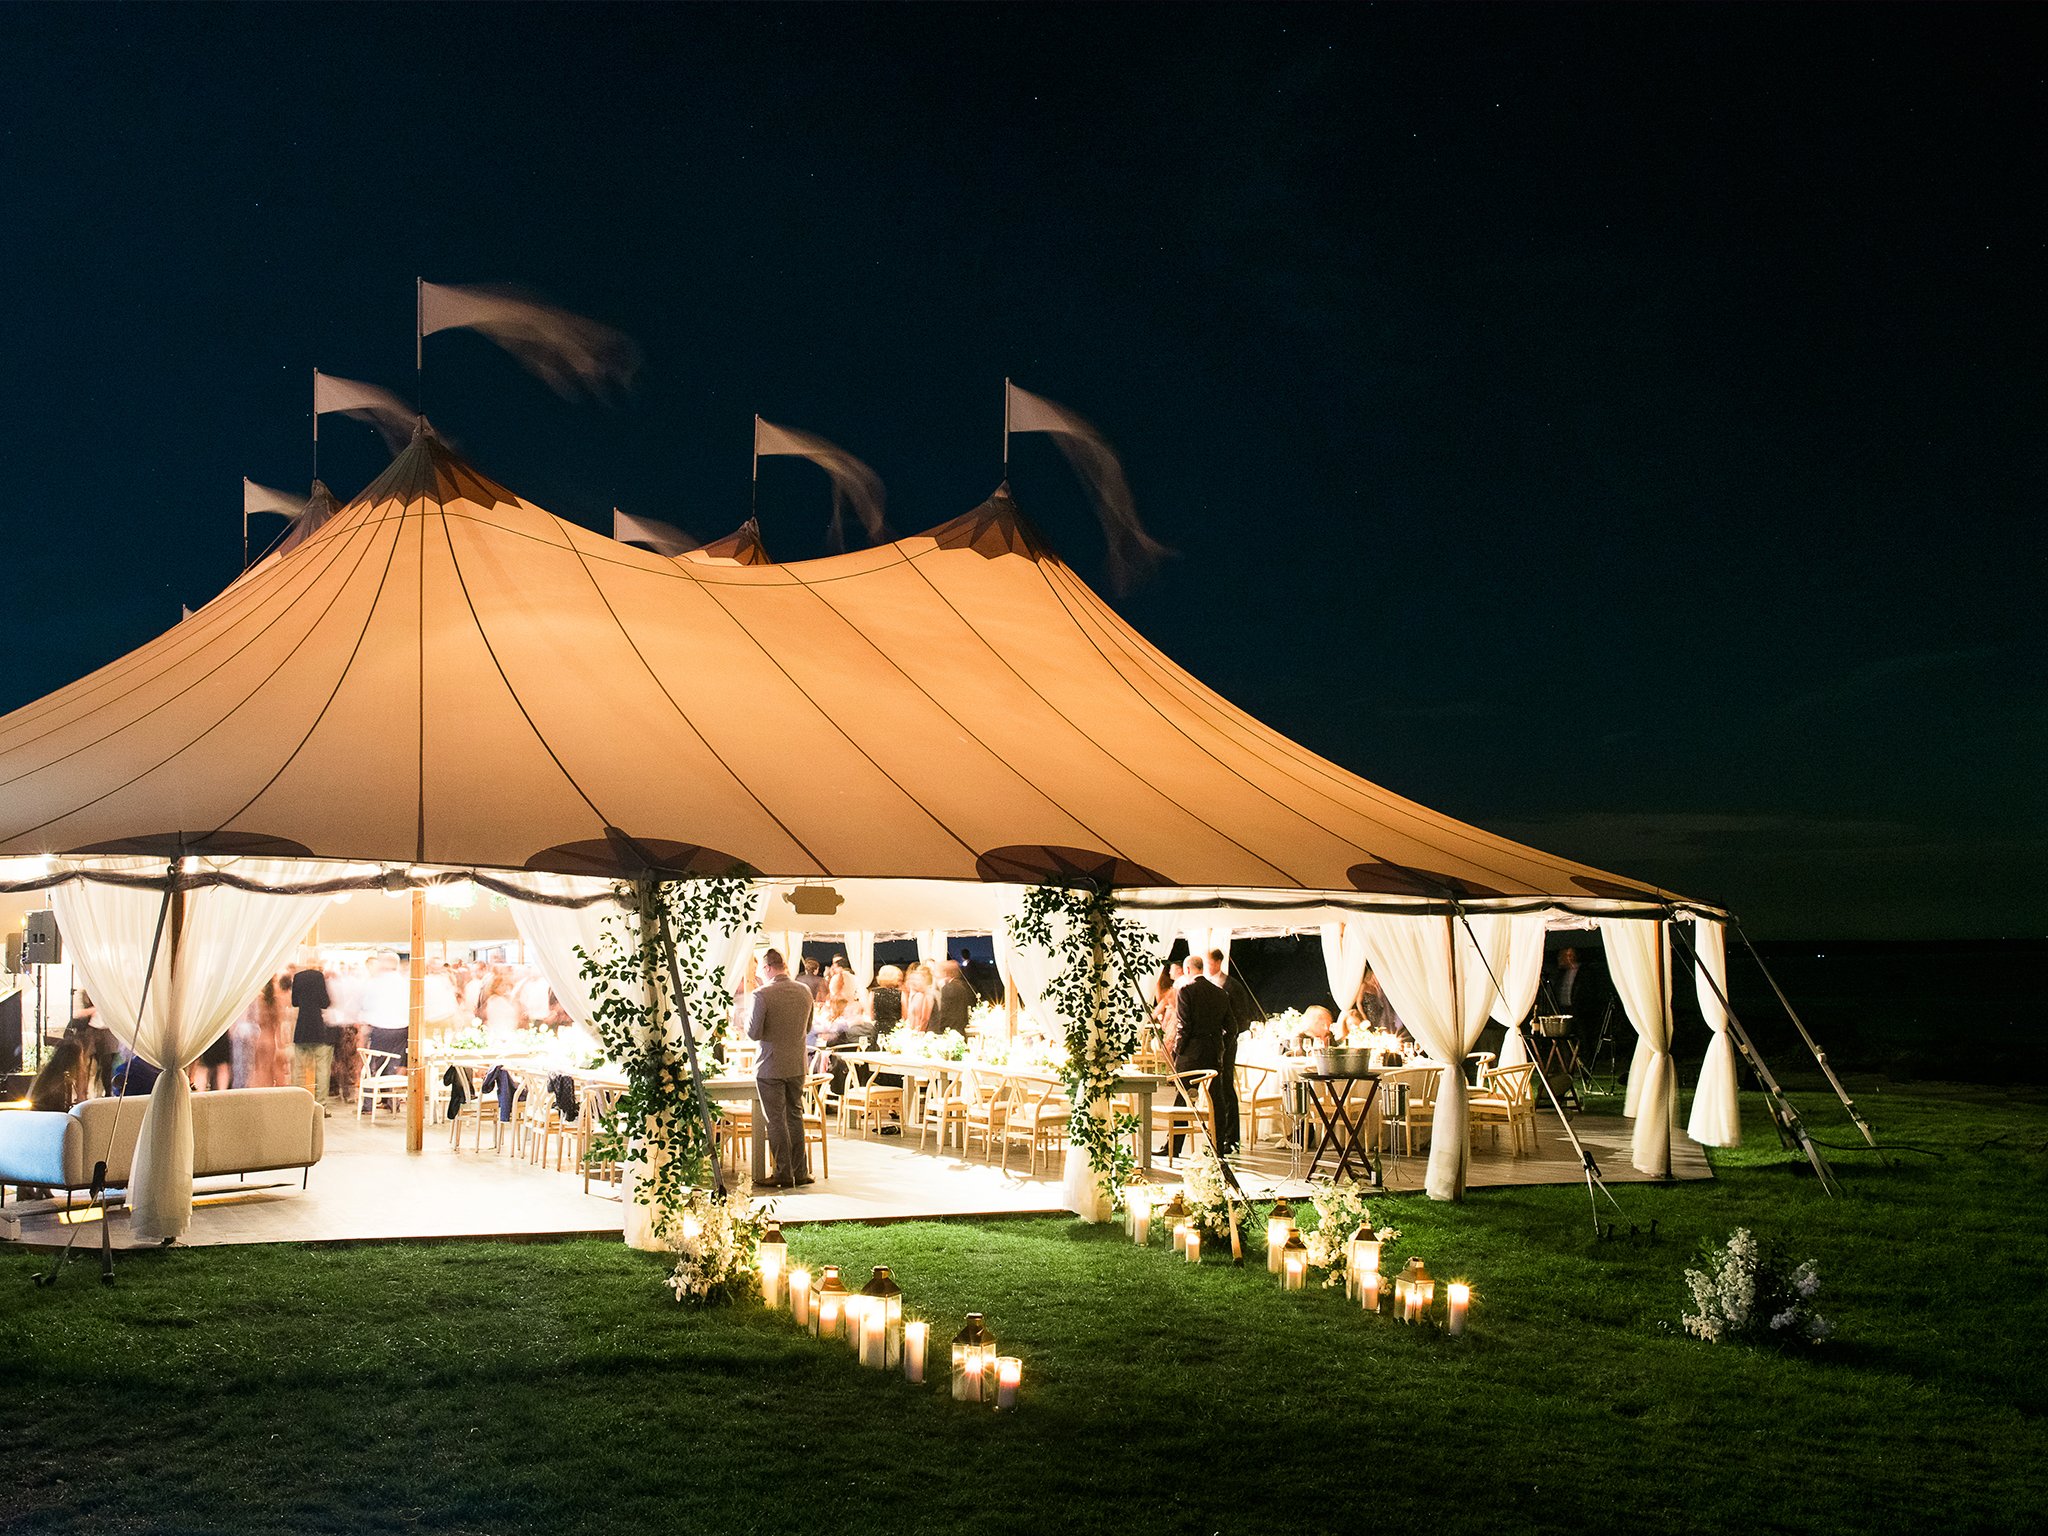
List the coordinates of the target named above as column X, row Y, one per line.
column 1617, row 429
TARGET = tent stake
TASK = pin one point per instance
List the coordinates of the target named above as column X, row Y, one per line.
column 1790, row 1126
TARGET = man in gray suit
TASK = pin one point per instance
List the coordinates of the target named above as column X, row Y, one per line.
column 782, row 1015
column 954, row 1005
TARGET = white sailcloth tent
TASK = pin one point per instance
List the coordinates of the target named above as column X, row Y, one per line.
column 442, row 676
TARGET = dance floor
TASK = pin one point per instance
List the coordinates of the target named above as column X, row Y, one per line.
column 368, row 1188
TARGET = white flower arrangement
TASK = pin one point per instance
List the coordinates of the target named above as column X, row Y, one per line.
column 1748, row 1293
column 1340, row 1211
column 717, row 1247
column 1210, row 1209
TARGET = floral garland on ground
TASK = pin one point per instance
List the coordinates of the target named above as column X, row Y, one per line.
column 1749, row 1292
column 718, row 1248
column 1340, row 1210
column 1103, row 961
column 660, row 1122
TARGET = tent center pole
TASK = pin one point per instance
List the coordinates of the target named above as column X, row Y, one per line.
column 415, row 1027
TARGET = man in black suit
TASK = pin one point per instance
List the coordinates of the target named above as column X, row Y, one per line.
column 1224, row 1094
column 954, row 1004
column 1201, row 1019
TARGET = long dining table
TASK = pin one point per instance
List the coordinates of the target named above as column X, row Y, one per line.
column 1142, row 1085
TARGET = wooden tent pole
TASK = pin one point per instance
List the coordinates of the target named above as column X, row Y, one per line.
column 415, row 1028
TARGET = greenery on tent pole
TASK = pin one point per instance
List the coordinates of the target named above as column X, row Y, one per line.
column 663, row 1120
column 1103, row 961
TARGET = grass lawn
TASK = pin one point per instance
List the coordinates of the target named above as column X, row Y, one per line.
column 558, row 1388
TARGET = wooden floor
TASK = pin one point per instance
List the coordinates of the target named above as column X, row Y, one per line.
column 368, row 1187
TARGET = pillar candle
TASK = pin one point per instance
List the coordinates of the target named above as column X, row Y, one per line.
column 873, row 1348
column 1460, row 1300
column 800, row 1297
column 1369, row 1290
column 1194, row 1245
column 1009, row 1371
column 916, row 1333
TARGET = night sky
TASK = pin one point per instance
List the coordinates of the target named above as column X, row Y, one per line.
column 1621, row 428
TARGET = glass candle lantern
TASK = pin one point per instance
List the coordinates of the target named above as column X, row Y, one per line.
column 1293, row 1263
column 1009, row 1372
column 1138, row 1212
column 1279, row 1227
column 800, row 1297
column 1414, row 1292
column 916, row 1335
column 1458, row 1301
column 882, row 1313
column 1368, row 1290
column 774, row 1262
column 1422, row 1291
column 970, row 1345
column 1362, row 1256
column 828, row 1304
column 1173, row 1215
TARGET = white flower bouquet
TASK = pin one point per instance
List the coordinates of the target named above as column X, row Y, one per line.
column 1340, row 1211
column 717, row 1246
column 1749, row 1293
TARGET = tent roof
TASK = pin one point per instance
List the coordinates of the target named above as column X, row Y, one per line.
column 442, row 673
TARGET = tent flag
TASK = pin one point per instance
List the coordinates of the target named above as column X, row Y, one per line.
column 1132, row 550
column 852, row 481
column 662, row 538
column 262, row 498
column 569, row 353
column 366, row 402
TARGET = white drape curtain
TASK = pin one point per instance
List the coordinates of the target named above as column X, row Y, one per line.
column 1202, row 939
column 228, row 943
column 1519, row 984
column 931, row 944
column 1161, row 929
column 552, row 936
column 1029, row 969
column 860, row 957
column 1639, row 963
column 1344, row 961
column 1716, row 1111
column 1436, row 973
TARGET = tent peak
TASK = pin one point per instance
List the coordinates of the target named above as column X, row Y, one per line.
column 996, row 527
column 743, row 546
column 427, row 469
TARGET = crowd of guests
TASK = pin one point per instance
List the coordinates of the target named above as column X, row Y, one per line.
column 309, row 1025
column 932, row 997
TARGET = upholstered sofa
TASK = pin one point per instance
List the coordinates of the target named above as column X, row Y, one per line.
column 242, row 1130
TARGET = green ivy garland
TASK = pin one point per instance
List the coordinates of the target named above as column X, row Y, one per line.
column 660, row 1120
column 1104, row 960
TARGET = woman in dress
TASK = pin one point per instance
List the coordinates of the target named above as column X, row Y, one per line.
column 842, row 991
column 917, row 997
column 270, row 1061
column 885, row 999
column 499, row 1007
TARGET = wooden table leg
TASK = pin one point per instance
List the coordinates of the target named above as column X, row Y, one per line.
column 1145, row 1129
